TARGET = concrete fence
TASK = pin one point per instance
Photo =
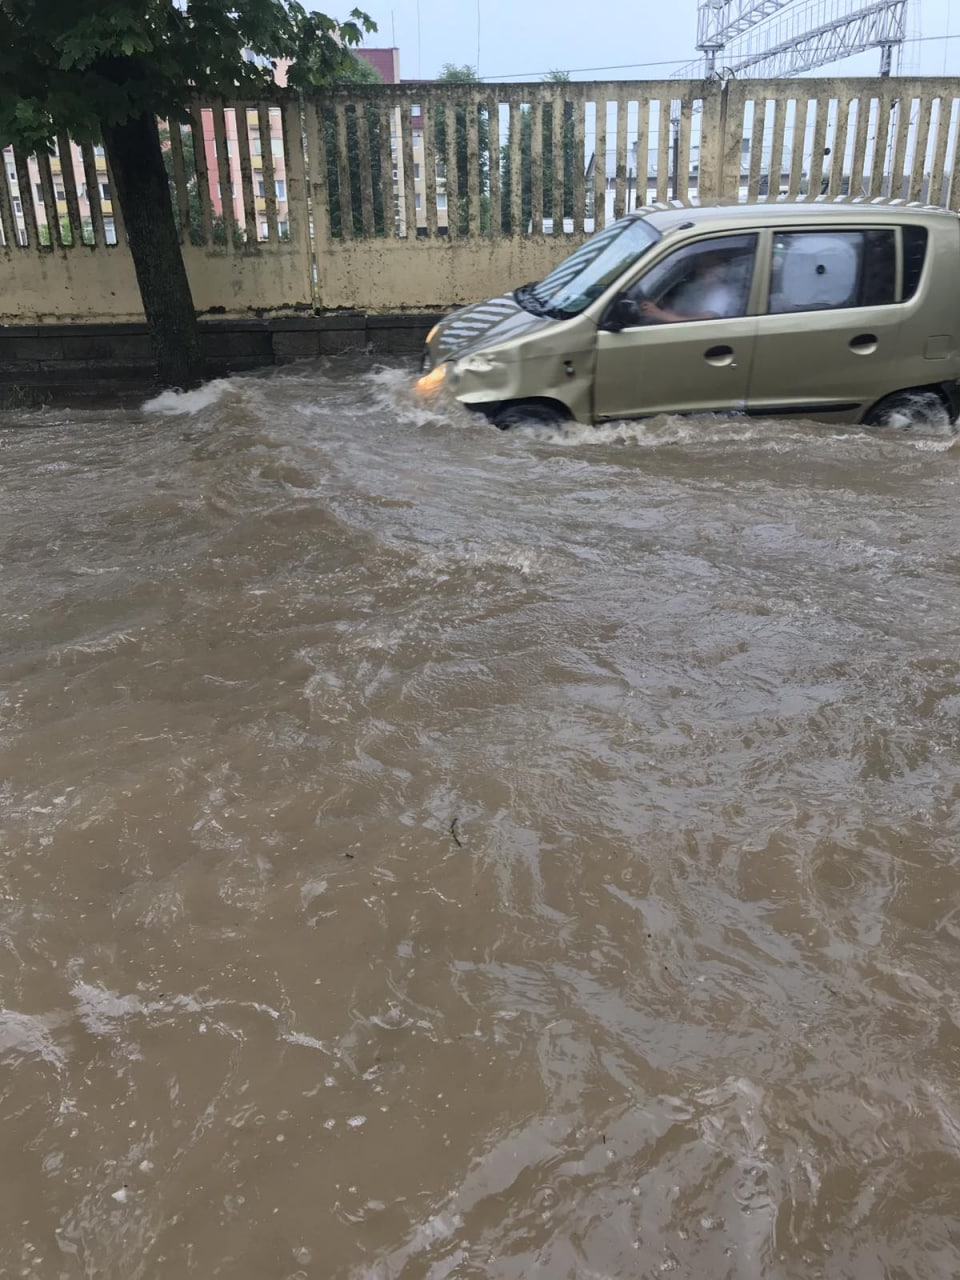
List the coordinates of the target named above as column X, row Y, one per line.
column 419, row 196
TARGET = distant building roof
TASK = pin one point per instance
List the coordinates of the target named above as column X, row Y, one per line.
column 386, row 63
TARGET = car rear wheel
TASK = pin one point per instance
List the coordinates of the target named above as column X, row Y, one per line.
column 529, row 413
column 908, row 409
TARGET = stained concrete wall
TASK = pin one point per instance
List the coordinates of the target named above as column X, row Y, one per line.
column 74, row 363
column 353, row 186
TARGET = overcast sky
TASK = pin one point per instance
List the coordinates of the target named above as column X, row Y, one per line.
column 525, row 38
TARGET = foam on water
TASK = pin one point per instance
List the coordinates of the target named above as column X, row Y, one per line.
column 172, row 402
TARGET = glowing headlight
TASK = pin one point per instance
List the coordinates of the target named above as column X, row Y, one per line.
column 431, row 381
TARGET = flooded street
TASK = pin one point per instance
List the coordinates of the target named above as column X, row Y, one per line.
column 436, row 852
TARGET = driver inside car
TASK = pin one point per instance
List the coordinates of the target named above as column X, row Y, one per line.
column 708, row 294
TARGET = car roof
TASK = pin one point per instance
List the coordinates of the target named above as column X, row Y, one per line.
column 879, row 212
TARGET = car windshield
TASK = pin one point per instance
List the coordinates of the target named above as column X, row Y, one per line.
column 590, row 271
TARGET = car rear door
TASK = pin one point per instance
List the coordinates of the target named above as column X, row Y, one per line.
column 831, row 328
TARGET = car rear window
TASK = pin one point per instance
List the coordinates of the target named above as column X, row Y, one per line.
column 829, row 270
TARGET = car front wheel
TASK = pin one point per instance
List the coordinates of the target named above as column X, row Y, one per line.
column 532, row 413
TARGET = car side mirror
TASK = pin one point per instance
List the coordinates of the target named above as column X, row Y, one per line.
column 622, row 313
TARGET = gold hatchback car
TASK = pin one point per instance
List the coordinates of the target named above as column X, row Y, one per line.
column 839, row 312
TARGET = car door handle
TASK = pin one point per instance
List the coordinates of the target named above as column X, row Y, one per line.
column 864, row 344
column 720, row 357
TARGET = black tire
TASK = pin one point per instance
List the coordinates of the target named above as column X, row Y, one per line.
column 908, row 409
column 527, row 414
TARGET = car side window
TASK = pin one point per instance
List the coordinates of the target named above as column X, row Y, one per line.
column 914, row 256
column 706, row 280
column 830, row 270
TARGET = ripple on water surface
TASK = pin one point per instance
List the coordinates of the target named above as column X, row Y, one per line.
column 431, row 851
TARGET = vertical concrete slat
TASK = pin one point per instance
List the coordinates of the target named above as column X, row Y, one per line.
column 492, row 104
column 471, row 107
column 267, row 169
column 684, row 126
column 8, row 223
column 559, row 162
column 775, row 168
column 938, row 163
column 317, row 178
column 450, row 168
column 664, row 131
column 712, row 133
column 93, row 194
column 388, row 117
column 223, row 172
column 839, row 147
column 26, row 197
column 536, row 163
column 815, row 178
column 204, row 193
column 641, row 192
column 578, row 203
column 864, row 102
column 600, row 162
column 918, row 167
column 898, row 164
column 620, row 189
column 878, row 162
column 409, row 185
column 367, row 218
column 756, row 147
column 297, row 213
column 179, row 180
column 732, row 144
column 514, row 157
column 953, row 188
column 49, row 199
column 429, row 168
column 250, row 221
column 343, row 170
column 69, row 176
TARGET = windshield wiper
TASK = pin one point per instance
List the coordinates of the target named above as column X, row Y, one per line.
column 526, row 297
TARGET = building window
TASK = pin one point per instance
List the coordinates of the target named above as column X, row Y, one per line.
column 60, row 193
column 256, row 145
column 39, row 190
column 416, row 173
column 262, row 189
column 98, row 151
column 105, row 191
column 264, row 230
column 283, row 230
column 441, row 202
column 110, row 231
column 17, row 206
column 418, row 203
column 281, row 189
column 276, row 147
column 12, row 174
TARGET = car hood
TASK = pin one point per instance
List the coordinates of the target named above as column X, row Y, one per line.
column 485, row 324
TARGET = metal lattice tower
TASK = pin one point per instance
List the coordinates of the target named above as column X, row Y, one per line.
column 771, row 38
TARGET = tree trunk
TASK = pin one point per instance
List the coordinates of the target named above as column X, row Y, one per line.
column 143, row 193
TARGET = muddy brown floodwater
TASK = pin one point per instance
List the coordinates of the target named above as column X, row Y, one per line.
column 430, row 852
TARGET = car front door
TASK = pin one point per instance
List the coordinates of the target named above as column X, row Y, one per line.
column 687, row 342
column 830, row 332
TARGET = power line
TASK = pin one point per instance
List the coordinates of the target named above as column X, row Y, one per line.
column 573, row 71
column 664, row 62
